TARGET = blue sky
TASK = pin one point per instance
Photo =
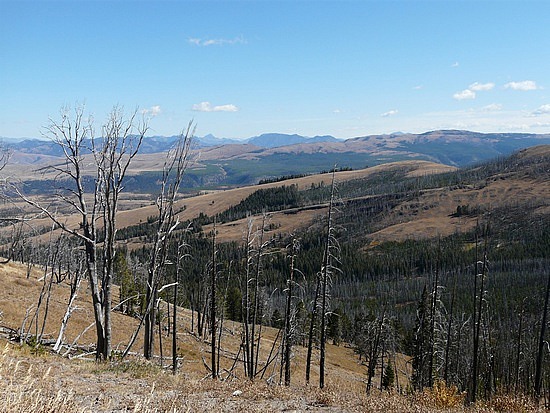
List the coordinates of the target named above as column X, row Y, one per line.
column 239, row 69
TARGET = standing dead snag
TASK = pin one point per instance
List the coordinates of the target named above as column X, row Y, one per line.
column 175, row 165
column 289, row 315
column 479, row 299
column 329, row 256
column 321, row 301
column 255, row 251
column 179, row 257
column 313, row 320
column 213, row 279
column 245, row 314
column 112, row 155
column 541, row 342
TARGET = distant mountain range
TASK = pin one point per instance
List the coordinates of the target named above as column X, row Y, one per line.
column 274, row 154
column 154, row 144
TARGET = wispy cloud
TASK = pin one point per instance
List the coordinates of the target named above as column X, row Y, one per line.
column 540, row 125
column 455, row 64
column 152, row 111
column 542, row 110
column 465, row 95
column 197, row 41
column 389, row 113
column 418, row 87
column 481, row 86
column 493, row 107
column 207, row 107
column 523, row 85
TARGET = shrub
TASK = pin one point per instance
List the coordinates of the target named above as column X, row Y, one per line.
column 441, row 396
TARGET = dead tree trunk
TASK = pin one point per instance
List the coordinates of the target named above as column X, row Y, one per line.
column 213, row 280
column 478, row 321
column 312, row 328
column 174, row 167
column 541, row 347
column 435, row 289
column 75, row 287
column 326, row 275
column 287, row 337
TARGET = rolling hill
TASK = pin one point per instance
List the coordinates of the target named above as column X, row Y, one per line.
column 272, row 155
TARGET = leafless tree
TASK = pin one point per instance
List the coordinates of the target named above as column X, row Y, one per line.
column 256, row 249
column 479, row 295
column 329, row 267
column 290, row 319
column 175, row 165
column 541, row 342
column 179, row 256
column 213, row 285
column 112, row 155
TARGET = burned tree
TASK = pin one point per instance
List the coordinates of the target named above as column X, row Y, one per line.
column 322, row 291
column 289, row 319
column 175, row 165
column 93, row 200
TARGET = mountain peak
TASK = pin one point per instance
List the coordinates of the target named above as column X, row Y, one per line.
column 273, row 140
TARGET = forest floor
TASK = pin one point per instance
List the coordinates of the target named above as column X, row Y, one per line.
column 40, row 382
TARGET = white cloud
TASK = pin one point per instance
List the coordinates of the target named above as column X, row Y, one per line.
column 540, row 125
column 152, row 111
column 465, row 94
column 197, row 41
column 455, row 64
column 470, row 93
column 336, row 111
column 389, row 113
column 542, row 110
column 418, row 87
column 493, row 107
column 524, row 85
column 207, row 107
column 481, row 86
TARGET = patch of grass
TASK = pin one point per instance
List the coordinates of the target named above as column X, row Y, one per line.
column 511, row 403
column 134, row 369
column 25, row 389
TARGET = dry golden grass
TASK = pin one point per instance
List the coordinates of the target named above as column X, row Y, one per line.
column 28, row 389
column 50, row 384
column 430, row 215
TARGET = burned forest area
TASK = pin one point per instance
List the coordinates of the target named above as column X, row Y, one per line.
column 402, row 286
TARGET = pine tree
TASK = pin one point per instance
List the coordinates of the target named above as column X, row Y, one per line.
column 388, row 378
